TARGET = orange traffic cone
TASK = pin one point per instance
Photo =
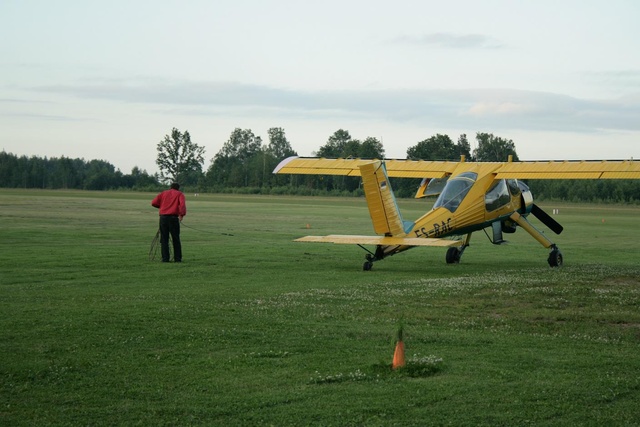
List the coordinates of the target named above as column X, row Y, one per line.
column 398, row 355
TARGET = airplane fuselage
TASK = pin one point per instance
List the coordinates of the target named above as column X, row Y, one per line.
column 470, row 202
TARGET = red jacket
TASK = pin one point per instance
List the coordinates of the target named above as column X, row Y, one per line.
column 170, row 202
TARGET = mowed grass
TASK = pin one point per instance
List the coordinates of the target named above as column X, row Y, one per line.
column 254, row 329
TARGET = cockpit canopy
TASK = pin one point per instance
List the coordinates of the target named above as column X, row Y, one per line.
column 500, row 193
column 455, row 190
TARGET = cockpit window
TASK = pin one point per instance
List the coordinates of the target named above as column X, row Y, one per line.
column 513, row 187
column 455, row 190
column 497, row 196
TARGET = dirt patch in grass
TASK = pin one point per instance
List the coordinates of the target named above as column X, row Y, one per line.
column 622, row 281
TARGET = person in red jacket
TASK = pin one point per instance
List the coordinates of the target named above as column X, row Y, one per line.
column 172, row 208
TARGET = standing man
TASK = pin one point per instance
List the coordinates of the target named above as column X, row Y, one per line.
column 172, row 209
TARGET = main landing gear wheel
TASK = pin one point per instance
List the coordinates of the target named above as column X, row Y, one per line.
column 453, row 255
column 368, row 265
column 555, row 258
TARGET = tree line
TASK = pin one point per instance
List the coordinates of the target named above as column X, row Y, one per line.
column 67, row 173
column 245, row 163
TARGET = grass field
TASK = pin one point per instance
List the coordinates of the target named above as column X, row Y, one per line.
column 254, row 329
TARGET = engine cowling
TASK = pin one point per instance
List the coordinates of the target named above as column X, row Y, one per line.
column 526, row 199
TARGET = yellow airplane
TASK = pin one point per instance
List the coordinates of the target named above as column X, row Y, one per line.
column 472, row 196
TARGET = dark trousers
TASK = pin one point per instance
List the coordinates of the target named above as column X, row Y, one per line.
column 170, row 225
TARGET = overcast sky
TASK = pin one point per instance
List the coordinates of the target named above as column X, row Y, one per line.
column 108, row 80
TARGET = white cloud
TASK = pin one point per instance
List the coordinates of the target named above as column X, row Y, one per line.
column 484, row 109
column 496, row 108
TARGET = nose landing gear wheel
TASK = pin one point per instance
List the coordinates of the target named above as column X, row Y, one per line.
column 555, row 258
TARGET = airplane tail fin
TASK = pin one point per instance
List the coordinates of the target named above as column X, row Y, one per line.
column 381, row 201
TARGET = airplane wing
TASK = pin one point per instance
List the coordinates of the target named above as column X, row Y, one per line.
column 586, row 169
column 350, row 167
column 377, row 240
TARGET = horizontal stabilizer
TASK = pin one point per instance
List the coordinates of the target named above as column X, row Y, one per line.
column 377, row 240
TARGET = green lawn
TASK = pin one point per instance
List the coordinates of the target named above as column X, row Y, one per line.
column 254, row 329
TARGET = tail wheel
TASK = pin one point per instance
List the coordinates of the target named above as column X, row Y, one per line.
column 555, row 258
column 453, row 255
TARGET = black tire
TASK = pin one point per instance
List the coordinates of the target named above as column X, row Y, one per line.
column 367, row 266
column 453, row 256
column 555, row 258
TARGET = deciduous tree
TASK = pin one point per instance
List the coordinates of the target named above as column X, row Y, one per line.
column 463, row 146
column 179, row 159
column 493, row 148
column 279, row 147
column 338, row 145
column 231, row 165
column 437, row 147
column 371, row 148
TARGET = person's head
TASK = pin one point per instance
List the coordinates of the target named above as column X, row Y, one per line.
column 175, row 186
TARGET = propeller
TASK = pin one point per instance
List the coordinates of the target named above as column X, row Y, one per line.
column 546, row 219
